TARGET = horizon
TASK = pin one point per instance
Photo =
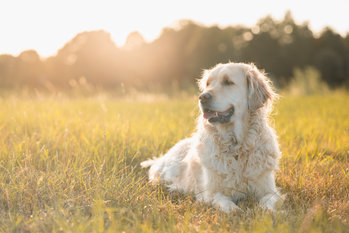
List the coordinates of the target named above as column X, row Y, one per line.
column 48, row 26
column 173, row 26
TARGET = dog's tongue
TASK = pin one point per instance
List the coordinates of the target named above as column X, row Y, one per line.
column 209, row 115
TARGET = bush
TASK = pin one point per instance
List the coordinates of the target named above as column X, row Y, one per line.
column 307, row 81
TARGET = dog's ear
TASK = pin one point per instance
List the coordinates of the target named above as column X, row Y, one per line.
column 259, row 88
column 202, row 81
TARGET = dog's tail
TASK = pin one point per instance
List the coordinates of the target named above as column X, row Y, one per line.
column 156, row 168
column 148, row 163
column 170, row 167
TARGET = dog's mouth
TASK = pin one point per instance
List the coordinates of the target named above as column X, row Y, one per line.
column 220, row 117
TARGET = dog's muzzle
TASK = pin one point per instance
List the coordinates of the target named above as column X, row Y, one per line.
column 211, row 115
column 218, row 117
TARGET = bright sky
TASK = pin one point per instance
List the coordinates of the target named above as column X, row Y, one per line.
column 46, row 25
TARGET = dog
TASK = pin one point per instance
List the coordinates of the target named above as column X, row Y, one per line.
column 234, row 151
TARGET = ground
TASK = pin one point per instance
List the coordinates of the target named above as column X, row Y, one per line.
column 71, row 164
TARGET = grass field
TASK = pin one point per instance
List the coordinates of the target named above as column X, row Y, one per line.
column 72, row 165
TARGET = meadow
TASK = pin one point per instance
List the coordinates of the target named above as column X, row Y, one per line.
column 71, row 164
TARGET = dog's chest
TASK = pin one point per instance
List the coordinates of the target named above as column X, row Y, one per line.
column 233, row 180
column 228, row 161
column 225, row 160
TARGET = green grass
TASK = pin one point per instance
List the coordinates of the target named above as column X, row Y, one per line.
column 72, row 165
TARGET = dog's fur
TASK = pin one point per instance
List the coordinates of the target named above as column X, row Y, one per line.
column 223, row 162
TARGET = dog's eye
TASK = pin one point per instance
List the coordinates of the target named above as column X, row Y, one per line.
column 227, row 82
column 207, row 83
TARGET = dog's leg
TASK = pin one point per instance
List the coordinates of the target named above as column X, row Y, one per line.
column 267, row 193
column 209, row 192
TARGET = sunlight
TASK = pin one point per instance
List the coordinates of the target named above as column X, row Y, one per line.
column 47, row 25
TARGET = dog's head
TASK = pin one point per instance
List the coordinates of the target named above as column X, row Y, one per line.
column 233, row 89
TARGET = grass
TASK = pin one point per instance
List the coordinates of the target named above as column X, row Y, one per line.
column 72, row 165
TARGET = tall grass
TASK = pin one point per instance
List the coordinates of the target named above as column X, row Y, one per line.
column 72, row 165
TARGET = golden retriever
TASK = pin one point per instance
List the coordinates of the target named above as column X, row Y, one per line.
column 234, row 151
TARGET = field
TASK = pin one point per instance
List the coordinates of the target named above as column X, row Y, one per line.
column 72, row 165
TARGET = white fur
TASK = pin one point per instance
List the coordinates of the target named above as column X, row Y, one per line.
column 222, row 163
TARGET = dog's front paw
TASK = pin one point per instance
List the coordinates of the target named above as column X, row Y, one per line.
column 224, row 203
column 229, row 207
column 272, row 201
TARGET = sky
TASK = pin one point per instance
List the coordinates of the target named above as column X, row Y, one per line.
column 46, row 25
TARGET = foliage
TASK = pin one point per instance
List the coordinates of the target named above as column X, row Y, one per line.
column 178, row 56
column 72, row 165
column 307, row 82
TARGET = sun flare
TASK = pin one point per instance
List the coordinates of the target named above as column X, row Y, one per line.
column 47, row 25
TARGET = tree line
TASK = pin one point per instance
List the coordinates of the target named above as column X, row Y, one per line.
column 179, row 55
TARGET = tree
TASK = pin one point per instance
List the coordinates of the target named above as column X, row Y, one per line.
column 330, row 57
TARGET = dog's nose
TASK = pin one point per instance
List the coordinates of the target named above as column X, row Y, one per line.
column 205, row 97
